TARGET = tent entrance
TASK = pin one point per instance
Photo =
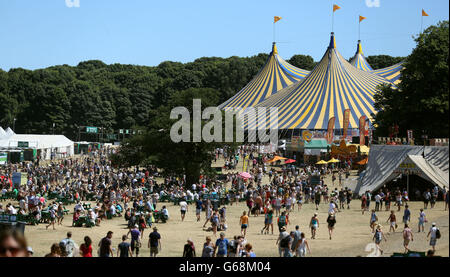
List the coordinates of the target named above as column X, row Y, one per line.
column 417, row 186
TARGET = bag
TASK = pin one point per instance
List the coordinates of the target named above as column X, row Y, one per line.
column 284, row 243
column 438, row 234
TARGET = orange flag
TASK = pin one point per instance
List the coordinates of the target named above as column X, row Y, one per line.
column 361, row 18
column 276, row 18
column 424, row 13
column 335, row 8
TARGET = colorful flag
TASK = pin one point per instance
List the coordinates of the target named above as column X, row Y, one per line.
column 335, row 8
column 424, row 13
column 361, row 18
column 346, row 121
column 276, row 18
column 330, row 130
column 362, row 127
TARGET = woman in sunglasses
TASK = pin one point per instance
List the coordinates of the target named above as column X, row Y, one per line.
column 12, row 244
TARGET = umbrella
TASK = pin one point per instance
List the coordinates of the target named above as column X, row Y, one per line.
column 321, row 162
column 363, row 162
column 333, row 160
column 289, row 161
column 245, row 175
column 276, row 158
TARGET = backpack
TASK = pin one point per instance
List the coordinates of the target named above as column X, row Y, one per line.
column 284, row 243
column 438, row 234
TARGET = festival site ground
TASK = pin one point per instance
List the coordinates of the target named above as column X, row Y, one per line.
column 351, row 235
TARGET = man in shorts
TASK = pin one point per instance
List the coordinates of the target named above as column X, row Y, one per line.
column 183, row 209
column 154, row 242
column 407, row 237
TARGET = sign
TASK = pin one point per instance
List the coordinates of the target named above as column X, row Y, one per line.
column 346, row 121
column 121, row 131
column 23, row 144
column 330, row 130
column 16, row 178
column 306, row 135
column 3, row 158
column 93, row 130
column 362, row 127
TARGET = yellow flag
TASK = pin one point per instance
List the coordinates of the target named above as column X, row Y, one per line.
column 424, row 13
column 335, row 8
column 361, row 18
column 276, row 18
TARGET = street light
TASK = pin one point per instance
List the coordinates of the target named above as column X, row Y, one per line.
column 14, row 125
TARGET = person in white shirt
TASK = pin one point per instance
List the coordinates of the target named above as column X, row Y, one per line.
column 183, row 209
column 332, row 208
column 433, row 236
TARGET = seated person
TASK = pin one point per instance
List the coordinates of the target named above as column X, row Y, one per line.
column 76, row 216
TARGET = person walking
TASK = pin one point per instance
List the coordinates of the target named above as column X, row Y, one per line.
column 406, row 215
column 434, row 235
column 124, row 248
column 243, row 221
column 331, row 220
column 86, row 247
column 282, row 221
column 302, row 246
column 105, row 249
column 378, row 237
column 208, row 248
column 189, row 249
column 392, row 221
column 154, row 242
column 135, row 239
column 268, row 222
column 407, row 237
column 183, row 209
column 314, row 225
column 221, row 246
column 373, row 221
column 422, row 220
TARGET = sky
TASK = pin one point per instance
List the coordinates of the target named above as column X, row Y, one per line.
column 42, row 33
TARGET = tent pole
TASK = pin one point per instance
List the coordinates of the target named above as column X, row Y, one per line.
column 407, row 183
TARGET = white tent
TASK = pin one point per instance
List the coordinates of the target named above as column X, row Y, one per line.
column 60, row 145
column 2, row 133
column 386, row 162
column 9, row 132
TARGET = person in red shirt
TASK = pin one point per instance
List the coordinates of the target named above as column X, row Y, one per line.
column 86, row 247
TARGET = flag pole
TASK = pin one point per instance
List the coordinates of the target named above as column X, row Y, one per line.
column 274, row 31
column 421, row 23
column 332, row 22
column 359, row 30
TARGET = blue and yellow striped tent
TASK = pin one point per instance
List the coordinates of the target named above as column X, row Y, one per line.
column 391, row 73
column 359, row 61
column 274, row 76
column 332, row 86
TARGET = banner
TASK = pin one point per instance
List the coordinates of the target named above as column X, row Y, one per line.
column 3, row 158
column 410, row 137
column 346, row 121
column 366, row 129
column 362, row 127
column 330, row 130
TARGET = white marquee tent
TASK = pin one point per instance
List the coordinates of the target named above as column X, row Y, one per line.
column 60, row 145
column 387, row 162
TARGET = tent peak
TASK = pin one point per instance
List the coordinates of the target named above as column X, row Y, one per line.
column 332, row 41
column 274, row 49
column 359, row 48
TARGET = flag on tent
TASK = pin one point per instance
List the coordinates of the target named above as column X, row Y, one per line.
column 335, row 8
column 346, row 121
column 424, row 13
column 276, row 18
column 361, row 18
column 330, row 130
column 362, row 127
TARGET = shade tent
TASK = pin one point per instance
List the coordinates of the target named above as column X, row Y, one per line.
column 386, row 160
column 9, row 132
column 332, row 86
column 2, row 133
column 391, row 73
column 274, row 76
column 276, row 158
column 58, row 144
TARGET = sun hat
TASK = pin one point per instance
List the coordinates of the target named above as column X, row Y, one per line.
column 433, row 224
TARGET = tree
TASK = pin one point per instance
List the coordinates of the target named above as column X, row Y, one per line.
column 420, row 102
column 302, row 61
column 189, row 159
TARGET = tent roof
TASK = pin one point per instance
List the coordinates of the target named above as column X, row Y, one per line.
column 392, row 73
column 433, row 173
column 359, row 61
column 274, row 76
column 385, row 159
column 2, row 133
column 37, row 141
column 332, row 86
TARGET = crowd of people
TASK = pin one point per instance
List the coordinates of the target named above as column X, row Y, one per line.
column 136, row 195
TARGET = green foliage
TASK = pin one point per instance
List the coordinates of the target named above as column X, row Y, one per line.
column 382, row 61
column 302, row 61
column 421, row 101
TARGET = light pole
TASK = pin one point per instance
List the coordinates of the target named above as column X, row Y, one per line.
column 14, row 125
column 53, row 129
